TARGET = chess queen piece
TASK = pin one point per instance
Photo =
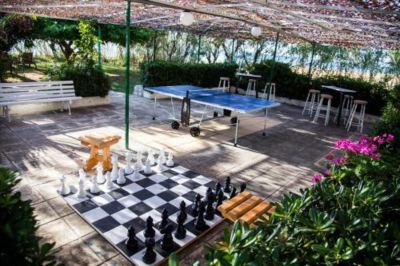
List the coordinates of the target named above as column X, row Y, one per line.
column 114, row 171
column 64, row 189
column 100, row 176
column 170, row 161
column 128, row 158
column 121, row 177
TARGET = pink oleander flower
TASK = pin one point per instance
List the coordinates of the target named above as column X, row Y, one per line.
column 327, row 172
column 375, row 156
column 330, row 156
column 390, row 138
column 340, row 160
column 379, row 139
column 316, row 178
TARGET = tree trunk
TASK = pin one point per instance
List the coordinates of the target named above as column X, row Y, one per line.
column 66, row 48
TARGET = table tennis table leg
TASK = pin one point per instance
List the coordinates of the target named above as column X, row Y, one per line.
column 237, row 129
column 155, row 106
column 173, row 109
column 265, row 121
column 202, row 115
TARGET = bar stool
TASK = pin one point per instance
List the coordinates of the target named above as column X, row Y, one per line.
column 269, row 91
column 224, row 83
column 251, row 86
column 326, row 108
column 346, row 107
column 358, row 116
column 312, row 100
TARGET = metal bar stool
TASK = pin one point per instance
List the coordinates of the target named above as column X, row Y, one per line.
column 358, row 116
column 322, row 107
column 251, row 86
column 269, row 91
column 347, row 104
column 312, row 100
column 224, row 83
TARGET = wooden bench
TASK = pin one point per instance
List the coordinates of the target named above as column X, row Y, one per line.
column 37, row 92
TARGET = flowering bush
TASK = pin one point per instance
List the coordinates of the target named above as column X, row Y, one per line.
column 349, row 216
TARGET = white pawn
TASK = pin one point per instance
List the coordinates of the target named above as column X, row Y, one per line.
column 170, row 161
column 114, row 171
column 100, row 176
column 109, row 183
column 147, row 168
column 128, row 158
column 94, row 188
column 150, row 157
column 81, row 189
column 121, row 177
column 64, row 190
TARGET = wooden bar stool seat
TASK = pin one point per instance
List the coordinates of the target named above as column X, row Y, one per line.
column 97, row 143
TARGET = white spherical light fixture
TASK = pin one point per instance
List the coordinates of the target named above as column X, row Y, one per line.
column 186, row 18
column 256, row 31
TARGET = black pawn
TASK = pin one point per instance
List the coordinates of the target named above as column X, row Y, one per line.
column 200, row 223
column 243, row 187
column 227, row 187
column 164, row 221
column 195, row 208
column 233, row 193
column 217, row 188
column 210, row 208
column 149, row 255
column 149, row 231
column 131, row 242
column 167, row 242
column 180, row 232
column 220, row 198
column 182, row 208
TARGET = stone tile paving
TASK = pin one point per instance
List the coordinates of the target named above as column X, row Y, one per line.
column 44, row 146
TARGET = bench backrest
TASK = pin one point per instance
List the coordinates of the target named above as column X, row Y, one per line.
column 25, row 91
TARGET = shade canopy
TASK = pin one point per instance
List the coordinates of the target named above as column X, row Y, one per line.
column 346, row 23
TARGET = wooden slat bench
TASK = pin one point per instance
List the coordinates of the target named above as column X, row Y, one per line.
column 37, row 92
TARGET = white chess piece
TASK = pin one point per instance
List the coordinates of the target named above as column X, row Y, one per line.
column 100, row 176
column 147, row 168
column 139, row 162
column 121, row 177
column 159, row 164
column 109, row 183
column 150, row 157
column 81, row 188
column 162, row 156
column 82, row 174
column 94, row 188
column 64, row 190
column 170, row 161
column 136, row 171
column 114, row 171
column 128, row 158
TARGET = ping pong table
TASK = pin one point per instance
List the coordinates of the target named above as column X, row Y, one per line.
column 238, row 104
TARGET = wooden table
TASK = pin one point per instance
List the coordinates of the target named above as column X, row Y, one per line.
column 342, row 91
column 98, row 142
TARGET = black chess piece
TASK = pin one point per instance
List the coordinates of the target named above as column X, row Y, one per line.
column 227, row 187
column 220, row 198
column 200, row 223
column 233, row 193
column 243, row 187
column 131, row 242
column 149, row 255
column 180, row 232
column 182, row 208
column 210, row 208
column 167, row 242
column 149, row 231
column 209, row 190
column 217, row 188
column 164, row 221
column 195, row 208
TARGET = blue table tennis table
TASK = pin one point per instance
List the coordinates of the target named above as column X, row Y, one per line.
column 238, row 104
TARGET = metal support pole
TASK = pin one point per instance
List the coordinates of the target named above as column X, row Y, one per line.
column 271, row 74
column 99, row 45
column 198, row 49
column 233, row 50
column 127, row 65
column 154, row 46
column 311, row 63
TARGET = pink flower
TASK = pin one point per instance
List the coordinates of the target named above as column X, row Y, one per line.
column 340, row 160
column 316, row 178
column 375, row 156
column 379, row 139
column 390, row 138
column 327, row 172
column 330, row 156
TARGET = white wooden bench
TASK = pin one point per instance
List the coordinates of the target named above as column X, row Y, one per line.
column 37, row 92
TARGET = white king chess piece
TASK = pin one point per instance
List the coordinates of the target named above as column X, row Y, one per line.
column 94, row 188
column 128, row 158
column 150, row 157
column 109, row 183
column 81, row 188
column 147, row 167
column 100, row 175
column 114, row 171
column 64, row 190
column 121, row 177
column 170, row 161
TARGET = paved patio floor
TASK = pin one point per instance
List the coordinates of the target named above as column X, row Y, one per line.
column 42, row 147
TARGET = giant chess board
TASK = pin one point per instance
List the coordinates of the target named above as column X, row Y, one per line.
column 112, row 211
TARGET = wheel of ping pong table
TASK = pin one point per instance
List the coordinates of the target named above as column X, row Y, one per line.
column 195, row 131
column 175, row 125
column 234, row 120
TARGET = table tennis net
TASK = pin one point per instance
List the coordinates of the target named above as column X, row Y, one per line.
column 206, row 92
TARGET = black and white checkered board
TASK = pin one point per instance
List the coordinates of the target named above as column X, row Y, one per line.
column 111, row 212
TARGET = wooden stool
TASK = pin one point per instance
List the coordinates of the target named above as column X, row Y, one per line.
column 224, row 84
column 246, row 208
column 311, row 102
column 96, row 143
column 251, row 86
column 322, row 107
column 358, row 116
column 269, row 91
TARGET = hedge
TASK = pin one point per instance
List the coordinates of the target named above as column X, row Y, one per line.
column 158, row 73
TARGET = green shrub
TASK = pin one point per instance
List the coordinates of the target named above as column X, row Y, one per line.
column 159, row 73
column 351, row 217
column 18, row 243
column 88, row 79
